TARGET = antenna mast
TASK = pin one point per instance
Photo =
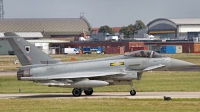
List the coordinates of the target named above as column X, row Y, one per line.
column 1, row 10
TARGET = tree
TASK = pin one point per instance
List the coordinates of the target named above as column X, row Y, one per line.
column 105, row 29
column 130, row 29
column 124, row 30
column 127, row 30
column 139, row 25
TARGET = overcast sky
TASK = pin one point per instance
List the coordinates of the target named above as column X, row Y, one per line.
column 103, row 12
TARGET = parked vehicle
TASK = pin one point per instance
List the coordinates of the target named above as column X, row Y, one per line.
column 90, row 50
column 71, row 51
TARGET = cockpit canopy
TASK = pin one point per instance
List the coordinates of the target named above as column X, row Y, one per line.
column 144, row 54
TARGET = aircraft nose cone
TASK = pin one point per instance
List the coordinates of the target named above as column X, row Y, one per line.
column 175, row 64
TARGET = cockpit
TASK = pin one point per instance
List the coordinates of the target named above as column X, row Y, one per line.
column 144, row 54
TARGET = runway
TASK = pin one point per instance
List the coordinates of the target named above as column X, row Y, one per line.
column 140, row 95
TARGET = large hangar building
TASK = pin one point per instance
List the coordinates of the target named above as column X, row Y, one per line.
column 175, row 28
column 48, row 27
column 38, row 28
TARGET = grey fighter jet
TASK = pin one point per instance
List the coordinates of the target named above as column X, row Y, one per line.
column 85, row 75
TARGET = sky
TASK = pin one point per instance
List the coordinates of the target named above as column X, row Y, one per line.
column 114, row 13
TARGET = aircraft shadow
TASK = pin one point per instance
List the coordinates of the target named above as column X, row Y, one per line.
column 45, row 96
column 67, row 96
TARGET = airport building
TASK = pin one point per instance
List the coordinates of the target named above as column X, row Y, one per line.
column 175, row 28
column 60, row 28
column 39, row 28
column 65, row 28
column 81, row 45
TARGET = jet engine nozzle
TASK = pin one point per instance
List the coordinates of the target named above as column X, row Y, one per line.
column 23, row 73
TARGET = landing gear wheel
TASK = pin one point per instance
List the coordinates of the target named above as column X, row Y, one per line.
column 133, row 92
column 89, row 91
column 76, row 92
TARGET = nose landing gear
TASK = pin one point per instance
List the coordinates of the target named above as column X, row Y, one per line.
column 132, row 92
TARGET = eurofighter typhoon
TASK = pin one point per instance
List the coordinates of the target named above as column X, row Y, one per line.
column 85, row 75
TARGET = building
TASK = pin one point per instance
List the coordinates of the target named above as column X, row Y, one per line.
column 174, row 28
column 38, row 28
column 104, row 37
column 126, row 45
column 186, row 46
column 60, row 28
column 140, row 33
column 44, row 45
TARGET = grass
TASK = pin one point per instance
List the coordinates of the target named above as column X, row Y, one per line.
column 98, row 105
column 151, row 81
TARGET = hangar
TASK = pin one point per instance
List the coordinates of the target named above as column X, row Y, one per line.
column 48, row 27
column 175, row 28
column 38, row 28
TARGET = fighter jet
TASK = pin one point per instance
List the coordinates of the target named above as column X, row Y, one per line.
column 85, row 75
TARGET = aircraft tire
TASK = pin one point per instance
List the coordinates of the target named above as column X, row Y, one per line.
column 76, row 92
column 133, row 92
column 89, row 91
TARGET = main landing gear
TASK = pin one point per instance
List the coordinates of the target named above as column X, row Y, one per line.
column 78, row 91
column 88, row 91
column 132, row 92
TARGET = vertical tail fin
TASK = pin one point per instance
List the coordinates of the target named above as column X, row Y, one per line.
column 26, row 52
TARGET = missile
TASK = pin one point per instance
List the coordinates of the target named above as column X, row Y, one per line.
column 54, row 84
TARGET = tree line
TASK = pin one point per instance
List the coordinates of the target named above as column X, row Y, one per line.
column 126, row 30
